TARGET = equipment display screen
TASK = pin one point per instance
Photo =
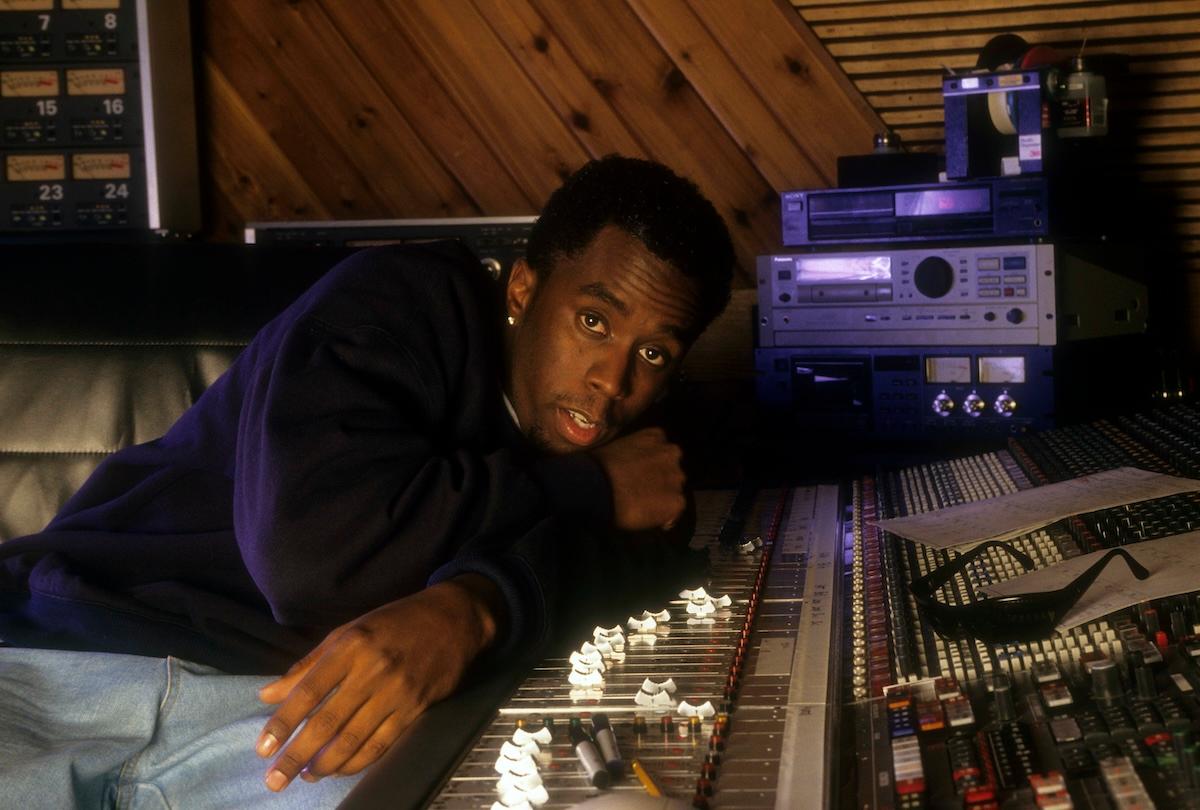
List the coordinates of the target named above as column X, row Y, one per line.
column 1002, row 369
column 844, row 268
column 941, row 201
column 948, row 369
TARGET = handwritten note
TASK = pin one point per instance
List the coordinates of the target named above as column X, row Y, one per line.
column 1021, row 512
column 1173, row 563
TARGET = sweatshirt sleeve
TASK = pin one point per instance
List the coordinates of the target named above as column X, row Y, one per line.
column 353, row 487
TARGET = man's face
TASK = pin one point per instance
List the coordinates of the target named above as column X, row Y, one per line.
column 596, row 340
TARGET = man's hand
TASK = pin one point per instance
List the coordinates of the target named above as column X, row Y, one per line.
column 369, row 679
column 647, row 479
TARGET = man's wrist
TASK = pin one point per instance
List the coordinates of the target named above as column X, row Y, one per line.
column 485, row 605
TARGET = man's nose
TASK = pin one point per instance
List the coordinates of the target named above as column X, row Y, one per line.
column 609, row 375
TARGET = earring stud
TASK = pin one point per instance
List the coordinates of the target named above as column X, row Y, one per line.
column 512, row 321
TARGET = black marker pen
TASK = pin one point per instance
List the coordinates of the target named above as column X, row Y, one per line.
column 589, row 757
column 607, row 741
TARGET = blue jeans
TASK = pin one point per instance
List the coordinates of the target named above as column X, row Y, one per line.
column 100, row 730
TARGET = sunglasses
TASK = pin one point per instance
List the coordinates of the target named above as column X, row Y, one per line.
column 1004, row 619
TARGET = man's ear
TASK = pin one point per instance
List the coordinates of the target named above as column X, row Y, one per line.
column 522, row 283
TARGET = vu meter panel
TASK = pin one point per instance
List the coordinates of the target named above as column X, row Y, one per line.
column 78, row 143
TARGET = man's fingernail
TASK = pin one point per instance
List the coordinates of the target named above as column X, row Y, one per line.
column 307, row 776
column 276, row 781
column 266, row 744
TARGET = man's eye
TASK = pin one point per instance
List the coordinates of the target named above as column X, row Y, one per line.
column 653, row 356
column 592, row 322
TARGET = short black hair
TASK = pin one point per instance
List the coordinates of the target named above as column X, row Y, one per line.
column 664, row 211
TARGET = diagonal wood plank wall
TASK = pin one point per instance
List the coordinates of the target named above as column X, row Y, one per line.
column 405, row 108
column 314, row 109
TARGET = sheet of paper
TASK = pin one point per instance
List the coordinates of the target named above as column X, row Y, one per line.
column 1020, row 512
column 1173, row 563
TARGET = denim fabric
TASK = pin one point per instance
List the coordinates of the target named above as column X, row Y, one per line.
column 102, row 730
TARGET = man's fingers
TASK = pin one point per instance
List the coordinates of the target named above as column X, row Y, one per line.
column 322, row 728
column 314, row 686
column 372, row 730
column 378, row 743
column 280, row 688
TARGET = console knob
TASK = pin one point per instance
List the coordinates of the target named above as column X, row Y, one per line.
column 974, row 405
column 943, row 405
column 1014, row 315
column 1005, row 405
column 1106, row 681
column 933, row 277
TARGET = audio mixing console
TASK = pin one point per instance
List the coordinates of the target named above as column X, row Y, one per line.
column 768, row 653
column 1102, row 716
column 819, row 685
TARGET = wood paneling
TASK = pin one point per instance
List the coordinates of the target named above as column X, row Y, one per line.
column 420, row 108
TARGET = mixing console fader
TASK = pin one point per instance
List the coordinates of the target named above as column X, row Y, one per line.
column 725, row 696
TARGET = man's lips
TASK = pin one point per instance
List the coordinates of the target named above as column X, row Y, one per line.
column 577, row 427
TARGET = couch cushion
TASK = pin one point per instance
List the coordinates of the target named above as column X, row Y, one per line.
column 63, row 408
column 103, row 346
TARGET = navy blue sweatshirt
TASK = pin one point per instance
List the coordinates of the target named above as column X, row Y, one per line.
column 356, row 451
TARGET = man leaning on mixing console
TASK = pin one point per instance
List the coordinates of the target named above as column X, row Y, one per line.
column 391, row 481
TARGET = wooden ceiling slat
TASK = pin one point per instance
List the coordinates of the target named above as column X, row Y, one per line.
column 1097, row 37
column 1164, row 114
column 966, row 60
column 1159, row 157
column 286, row 112
column 733, row 99
column 1129, row 19
column 251, row 177
column 897, row 101
column 1171, row 174
column 1169, row 137
column 1166, row 101
column 1171, row 120
column 928, row 62
column 793, row 74
column 563, row 84
column 304, row 43
column 815, row 12
column 664, row 112
column 929, row 79
column 1169, row 64
column 538, row 148
column 1173, row 84
column 410, row 87
column 927, row 115
column 913, row 134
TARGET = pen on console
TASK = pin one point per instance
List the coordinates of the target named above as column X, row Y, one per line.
column 605, row 738
column 589, row 757
column 647, row 782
